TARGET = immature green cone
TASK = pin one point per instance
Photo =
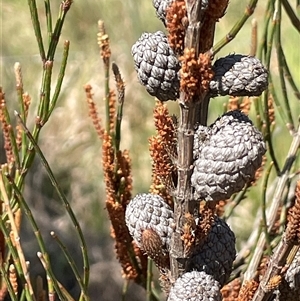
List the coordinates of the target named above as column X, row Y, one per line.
column 149, row 212
column 239, row 75
column 195, row 286
column 227, row 155
column 157, row 66
column 217, row 253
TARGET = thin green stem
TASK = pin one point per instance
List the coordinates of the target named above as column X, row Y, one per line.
column 294, row 19
column 236, row 201
column 37, row 28
column 277, row 103
column 289, row 76
column 50, row 274
column 125, row 289
column 266, row 96
column 24, row 206
column 264, row 37
column 236, row 28
column 121, row 97
column 63, row 200
column 264, row 208
column 280, row 55
column 64, row 8
column 149, row 279
column 72, row 265
column 61, row 76
column 268, row 134
column 43, row 110
column 49, row 19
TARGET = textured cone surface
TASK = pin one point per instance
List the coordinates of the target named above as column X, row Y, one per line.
column 149, row 211
column 227, row 155
column 161, row 8
column 156, row 65
column 239, row 75
column 195, row 286
column 217, row 253
column 289, row 289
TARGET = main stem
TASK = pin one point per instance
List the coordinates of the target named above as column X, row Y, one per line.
column 183, row 203
column 193, row 110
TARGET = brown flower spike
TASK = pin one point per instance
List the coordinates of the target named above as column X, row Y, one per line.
column 162, row 148
column 176, row 25
column 293, row 226
column 195, row 73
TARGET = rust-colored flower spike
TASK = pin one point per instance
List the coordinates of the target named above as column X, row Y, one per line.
column 6, row 129
column 3, row 291
column 231, row 290
column 118, row 193
column 112, row 110
column 293, row 228
column 238, row 75
column 103, row 42
column 26, row 99
column 163, row 152
column 121, row 235
column 227, row 155
column 93, row 111
column 248, row 290
column 13, row 278
column 271, row 110
column 195, row 73
column 220, row 207
column 237, row 103
column 204, row 222
column 151, row 212
column 176, row 25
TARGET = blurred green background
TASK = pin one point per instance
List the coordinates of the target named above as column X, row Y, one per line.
column 69, row 141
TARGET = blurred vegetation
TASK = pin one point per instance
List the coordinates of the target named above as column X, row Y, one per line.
column 69, row 141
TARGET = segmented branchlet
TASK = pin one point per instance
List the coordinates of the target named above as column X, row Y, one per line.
column 216, row 254
column 238, row 75
column 195, row 286
column 157, row 66
column 227, row 155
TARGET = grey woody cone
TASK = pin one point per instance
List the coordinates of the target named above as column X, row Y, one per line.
column 195, row 286
column 157, row 66
column 161, row 8
column 239, row 75
column 217, row 253
column 149, row 211
column 227, row 155
column 289, row 289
